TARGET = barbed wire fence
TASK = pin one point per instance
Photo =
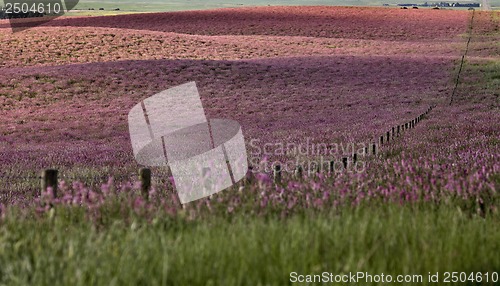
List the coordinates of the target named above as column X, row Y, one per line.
column 371, row 149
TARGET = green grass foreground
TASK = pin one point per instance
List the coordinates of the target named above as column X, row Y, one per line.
column 63, row 247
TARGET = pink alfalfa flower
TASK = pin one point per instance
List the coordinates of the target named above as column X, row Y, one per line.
column 343, row 192
column 47, row 197
column 326, row 196
column 169, row 208
column 79, row 193
column 171, row 180
column 126, row 187
column 315, row 186
column 137, row 185
column 43, row 209
column 67, row 196
column 292, row 203
column 176, row 202
column 263, row 179
column 152, row 194
column 94, row 199
column 292, row 186
column 318, row 203
column 308, row 201
column 108, row 187
column 62, row 187
column 280, row 192
column 139, row 203
column 264, row 201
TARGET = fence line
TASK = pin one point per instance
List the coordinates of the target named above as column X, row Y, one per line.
column 74, row 178
column 50, row 177
column 457, row 80
column 386, row 138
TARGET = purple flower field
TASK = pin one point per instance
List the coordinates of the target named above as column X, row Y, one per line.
column 373, row 137
column 65, row 106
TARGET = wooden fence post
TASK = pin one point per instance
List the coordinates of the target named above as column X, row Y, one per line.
column 277, row 173
column 49, row 179
column 317, row 168
column 398, row 130
column 354, row 158
column 145, row 177
column 298, row 171
column 248, row 177
column 388, row 136
column 374, row 149
column 344, row 161
column 332, row 166
column 381, row 140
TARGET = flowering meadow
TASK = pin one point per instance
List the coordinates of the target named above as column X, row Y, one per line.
column 296, row 77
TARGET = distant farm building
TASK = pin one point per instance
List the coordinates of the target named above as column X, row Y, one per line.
column 440, row 4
